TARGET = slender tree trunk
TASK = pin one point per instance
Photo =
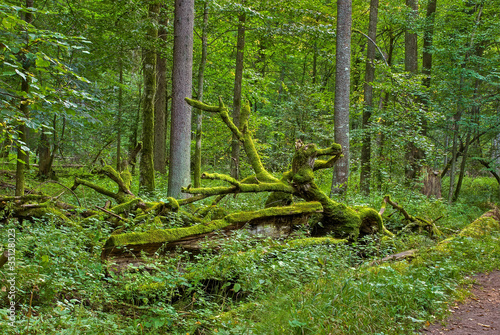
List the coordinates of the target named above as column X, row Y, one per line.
column 427, row 48
column 134, row 131
column 462, row 167
column 411, row 45
column 368, row 96
column 119, row 120
column 412, row 166
column 44, row 155
column 495, row 152
column 315, row 62
column 199, row 117
column 180, row 134
column 238, row 78
column 24, row 108
column 146, row 167
column 342, row 93
column 160, row 141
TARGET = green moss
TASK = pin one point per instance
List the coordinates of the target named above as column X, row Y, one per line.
column 480, row 227
column 126, row 206
column 298, row 208
column 303, row 242
column 173, row 204
column 163, row 235
column 169, row 235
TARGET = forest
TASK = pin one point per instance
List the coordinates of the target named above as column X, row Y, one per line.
column 246, row 167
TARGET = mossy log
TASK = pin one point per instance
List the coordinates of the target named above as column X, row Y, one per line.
column 36, row 205
column 126, row 248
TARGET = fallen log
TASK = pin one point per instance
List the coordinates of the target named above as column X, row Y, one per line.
column 276, row 222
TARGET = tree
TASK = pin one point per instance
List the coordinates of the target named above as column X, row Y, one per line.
column 199, row 117
column 147, row 176
column 238, row 78
column 413, row 154
column 160, row 141
column 22, row 157
column 342, row 93
column 368, row 98
column 180, row 133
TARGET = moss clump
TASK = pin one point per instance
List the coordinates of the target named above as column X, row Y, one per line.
column 170, row 235
column 163, row 235
column 480, row 227
column 304, row 242
column 298, row 208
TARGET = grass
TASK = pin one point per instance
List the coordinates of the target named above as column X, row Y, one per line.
column 250, row 286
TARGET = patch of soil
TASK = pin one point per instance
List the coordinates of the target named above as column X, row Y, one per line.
column 479, row 314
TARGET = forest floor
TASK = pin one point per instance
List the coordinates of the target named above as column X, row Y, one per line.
column 479, row 314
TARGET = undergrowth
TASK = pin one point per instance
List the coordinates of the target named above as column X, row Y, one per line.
column 249, row 285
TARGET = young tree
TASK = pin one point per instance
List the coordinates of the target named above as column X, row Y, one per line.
column 146, row 167
column 160, row 141
column 22, row 156
column 342, row 93
column 238, row 78
column 180, row 134
column 368, row 97
column 413, row 153
column 199, row 117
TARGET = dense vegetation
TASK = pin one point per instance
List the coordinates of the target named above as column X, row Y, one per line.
column 96, row 146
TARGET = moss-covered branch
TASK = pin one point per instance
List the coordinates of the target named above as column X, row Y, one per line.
column 414, row 222
column 123, row 181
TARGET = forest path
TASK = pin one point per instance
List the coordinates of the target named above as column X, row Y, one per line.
column 479, row 314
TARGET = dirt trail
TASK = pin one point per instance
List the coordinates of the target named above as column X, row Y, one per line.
column 479, row 314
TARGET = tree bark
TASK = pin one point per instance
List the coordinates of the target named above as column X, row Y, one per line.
column 146, row 167
column 413, row 153
column 180, row 134
column 22, row 155
column 119, row 120
column 44, row 161
column 199, row 117
column 428, row 39
column 160, row 141
column 238, row 78
column 368, row 97
column 342, row 93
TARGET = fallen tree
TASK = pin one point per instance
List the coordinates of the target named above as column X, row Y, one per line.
column 331, row 217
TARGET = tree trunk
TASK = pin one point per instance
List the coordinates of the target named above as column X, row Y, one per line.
column 160, row 141
column 238, row 78
column 495, row 153
column 134, row 134
column 368, row 96
column 180, row 134
column 342, row 92
column 427, row 48
column 462, row 168
column 44, row 161
column 146, row 167
column 199, row 117
column 119, row 120
column 413, row 154
column 22, row 155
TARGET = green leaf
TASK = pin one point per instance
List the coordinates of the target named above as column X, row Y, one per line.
column 236, row 287
column 45, row 259
column 41, row 62
column 8, row 23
